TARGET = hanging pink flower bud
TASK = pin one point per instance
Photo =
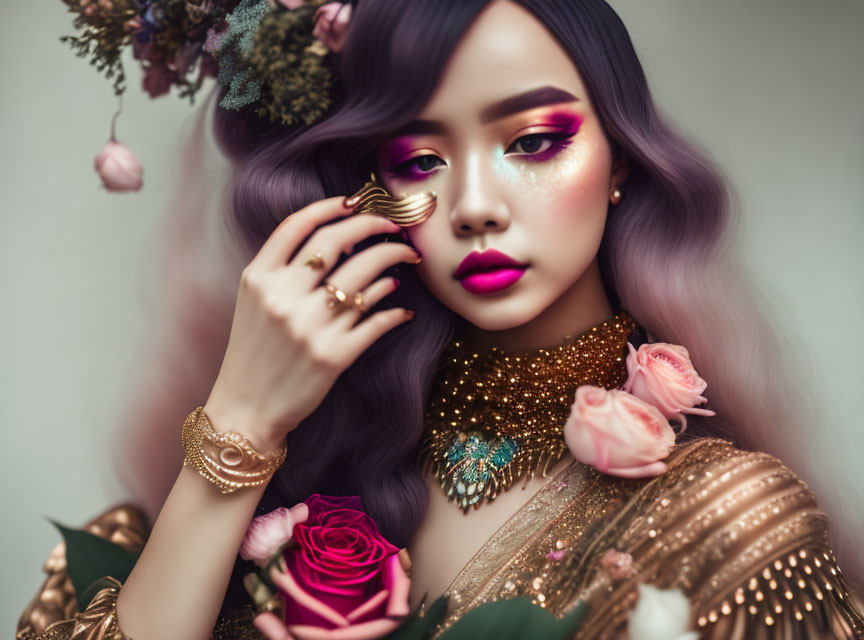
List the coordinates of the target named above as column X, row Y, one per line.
column 119, row 168
column 292, row 4
column 331, row 24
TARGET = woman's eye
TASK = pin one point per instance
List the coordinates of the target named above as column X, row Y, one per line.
column 532, row 147
column 417, row 168
column 538, row 143
column 425, row 163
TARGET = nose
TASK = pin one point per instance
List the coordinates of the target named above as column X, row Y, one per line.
column 479, row 205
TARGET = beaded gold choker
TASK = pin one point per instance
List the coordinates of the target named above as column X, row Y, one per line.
column 493, row 417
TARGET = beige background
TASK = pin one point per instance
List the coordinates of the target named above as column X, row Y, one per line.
column 773, row 88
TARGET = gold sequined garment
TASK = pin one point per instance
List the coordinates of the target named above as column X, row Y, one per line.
column 494, row 417
column 737, row 532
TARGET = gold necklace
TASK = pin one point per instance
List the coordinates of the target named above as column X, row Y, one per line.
column 493, row 417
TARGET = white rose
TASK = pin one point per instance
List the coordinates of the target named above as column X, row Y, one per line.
column 660, row 615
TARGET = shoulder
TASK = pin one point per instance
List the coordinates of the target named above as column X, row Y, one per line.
column 55, row 602
column 736, row 499
column 710, row 469
column 750, row 544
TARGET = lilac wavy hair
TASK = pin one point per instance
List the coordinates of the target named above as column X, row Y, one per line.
column 668, row 257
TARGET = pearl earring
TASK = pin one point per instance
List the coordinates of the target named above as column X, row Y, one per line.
column 615, row 196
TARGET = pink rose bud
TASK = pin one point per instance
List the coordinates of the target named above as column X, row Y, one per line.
column 662, row 374
column 331, row 24
column 616, row 564
column 118, row 167
column 617, row 433
column 268, row 533
column 292, row 4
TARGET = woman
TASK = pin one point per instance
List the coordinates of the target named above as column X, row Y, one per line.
column 559, row 160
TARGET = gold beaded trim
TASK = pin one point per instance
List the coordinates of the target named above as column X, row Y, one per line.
column 226, row 458
column 494, row 417
column 788, row 591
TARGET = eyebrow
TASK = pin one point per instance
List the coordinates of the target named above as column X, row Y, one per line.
column 508, row 106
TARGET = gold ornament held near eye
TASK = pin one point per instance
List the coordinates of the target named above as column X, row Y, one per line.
column 406, row 211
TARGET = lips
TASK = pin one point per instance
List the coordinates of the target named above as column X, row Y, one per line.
column 488, row 271
column 489, row 260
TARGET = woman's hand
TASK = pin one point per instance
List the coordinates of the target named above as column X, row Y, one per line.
column 286, row 347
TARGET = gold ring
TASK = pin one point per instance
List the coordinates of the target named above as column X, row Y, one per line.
column 358, row 301
column 316, row 260
column 337, row 296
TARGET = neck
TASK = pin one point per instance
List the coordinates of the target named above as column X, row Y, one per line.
column 582, row 306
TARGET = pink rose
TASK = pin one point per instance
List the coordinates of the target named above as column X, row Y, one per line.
column 341, row 579
column 267, row 533
column 331, row 24
column 118, row 167
column 662, row 374
column 617, row 433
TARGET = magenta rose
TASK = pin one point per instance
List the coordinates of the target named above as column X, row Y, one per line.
column 341, row 577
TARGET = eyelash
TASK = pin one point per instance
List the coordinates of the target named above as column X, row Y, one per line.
column 558, row 141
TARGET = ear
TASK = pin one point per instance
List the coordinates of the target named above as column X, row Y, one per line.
column 620, row 171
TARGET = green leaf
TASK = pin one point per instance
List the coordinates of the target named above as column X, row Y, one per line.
column 517, row 618
column 90, row 557
column 417, row 627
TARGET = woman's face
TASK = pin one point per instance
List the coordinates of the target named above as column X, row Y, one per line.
column 521, row 166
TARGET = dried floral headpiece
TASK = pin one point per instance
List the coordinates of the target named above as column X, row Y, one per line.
column 275, row 56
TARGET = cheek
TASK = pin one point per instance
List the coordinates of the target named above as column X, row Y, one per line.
column 566, row 200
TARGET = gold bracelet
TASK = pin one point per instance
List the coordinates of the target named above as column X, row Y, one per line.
column 226, row 458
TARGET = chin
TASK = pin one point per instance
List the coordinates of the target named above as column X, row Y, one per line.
column 500, row 314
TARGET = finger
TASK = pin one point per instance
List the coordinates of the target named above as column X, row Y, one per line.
column 271, row 626
column 370, row 296
column 361, row 337
column 334, row 239
column 291, row 232
column 362, row 268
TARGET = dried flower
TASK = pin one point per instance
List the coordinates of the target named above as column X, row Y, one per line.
column 331, row 24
